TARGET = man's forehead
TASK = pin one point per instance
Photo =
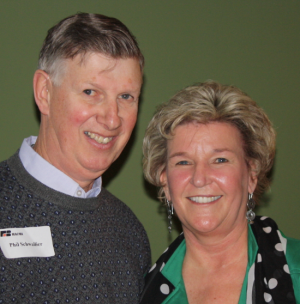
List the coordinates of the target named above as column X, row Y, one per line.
column 95, row 64
column 83, row 58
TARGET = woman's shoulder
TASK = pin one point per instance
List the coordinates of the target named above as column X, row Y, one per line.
column 158, row 284
column 166, row 255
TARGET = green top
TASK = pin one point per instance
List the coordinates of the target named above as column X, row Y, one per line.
column 173, row 269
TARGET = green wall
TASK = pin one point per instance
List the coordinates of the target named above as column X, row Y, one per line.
column 251, row 44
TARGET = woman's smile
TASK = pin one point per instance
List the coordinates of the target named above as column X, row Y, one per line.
column 204, row 199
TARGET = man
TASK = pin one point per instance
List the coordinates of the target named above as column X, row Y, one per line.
column 64, row 238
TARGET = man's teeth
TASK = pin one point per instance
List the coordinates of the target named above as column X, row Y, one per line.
column 204, row 199
column 98, row 139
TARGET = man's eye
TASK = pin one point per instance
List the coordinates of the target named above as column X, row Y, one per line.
column 89, row 92
column 126, row 96
column 221, row 160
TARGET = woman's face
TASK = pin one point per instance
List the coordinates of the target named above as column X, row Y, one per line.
column 207, row 177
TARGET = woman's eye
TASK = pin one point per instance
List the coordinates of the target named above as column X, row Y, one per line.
column 126, row 96
column 89, row 92
column 221, row 160
column 183, row 162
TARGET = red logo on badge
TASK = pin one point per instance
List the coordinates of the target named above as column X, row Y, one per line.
column 5, row 233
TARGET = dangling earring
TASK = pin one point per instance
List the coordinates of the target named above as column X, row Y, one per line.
column 170, row 213
column 250, row 214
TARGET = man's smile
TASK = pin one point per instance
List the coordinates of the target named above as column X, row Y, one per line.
column 98, row 138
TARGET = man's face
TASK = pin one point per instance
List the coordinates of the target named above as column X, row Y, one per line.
column 91, row 115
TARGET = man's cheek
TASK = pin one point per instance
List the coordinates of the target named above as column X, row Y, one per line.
column 79, row 117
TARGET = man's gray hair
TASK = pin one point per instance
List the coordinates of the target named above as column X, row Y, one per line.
column 84, row 33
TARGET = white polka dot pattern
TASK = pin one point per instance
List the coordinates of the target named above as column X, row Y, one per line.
column 162, row 266
column 268, row 277
column 259, row 259
column 270, row 266
column 153, row 267
column 158, row 287
column 166, row 250
column 272, row 283
column 286, row 268
column 279, row 247
column 164, row 288
column 267, row 229
column 263, row 218
column 268, row 297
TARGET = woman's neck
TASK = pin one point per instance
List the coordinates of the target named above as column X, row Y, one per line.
column 216, row 251
column 214, row 269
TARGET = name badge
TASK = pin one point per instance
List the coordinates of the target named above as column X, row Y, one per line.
column 26, row 242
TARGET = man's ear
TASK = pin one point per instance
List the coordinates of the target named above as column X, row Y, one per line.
column 41, row 83
column 164, row 182
column 252, row 176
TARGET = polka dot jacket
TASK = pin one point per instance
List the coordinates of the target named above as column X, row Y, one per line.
column 101, row 249
column 273, row 271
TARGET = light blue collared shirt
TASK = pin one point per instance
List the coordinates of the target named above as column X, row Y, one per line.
column 49, row 175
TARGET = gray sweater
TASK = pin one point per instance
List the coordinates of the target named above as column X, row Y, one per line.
column 101, row 249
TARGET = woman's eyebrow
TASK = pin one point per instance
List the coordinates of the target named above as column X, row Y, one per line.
column 177, row 154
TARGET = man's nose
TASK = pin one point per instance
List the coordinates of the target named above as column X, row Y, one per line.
column 109, row 115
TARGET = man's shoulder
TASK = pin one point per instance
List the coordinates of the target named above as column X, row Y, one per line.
column 109, row 199
column 113, row 206
column 3, row 165
column 7, row 163
column 7, row 168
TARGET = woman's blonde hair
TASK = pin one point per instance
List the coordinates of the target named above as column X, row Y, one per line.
column 211, row 102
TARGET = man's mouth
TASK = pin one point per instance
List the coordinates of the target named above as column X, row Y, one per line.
column 98, row 138
column 204, row 199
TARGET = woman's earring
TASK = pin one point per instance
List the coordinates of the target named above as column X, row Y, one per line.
column 170, row 213
column 250, row 214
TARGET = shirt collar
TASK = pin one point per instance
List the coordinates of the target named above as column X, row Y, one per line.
column 49, row 175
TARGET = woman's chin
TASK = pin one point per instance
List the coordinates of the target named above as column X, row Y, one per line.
column 202, row 226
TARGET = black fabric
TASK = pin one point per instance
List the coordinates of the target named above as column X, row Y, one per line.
column 154, row 279
column 273, row 283
column 270, row 269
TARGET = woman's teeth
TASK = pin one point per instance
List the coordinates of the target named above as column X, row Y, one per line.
column 204, row 199
column 98, row 139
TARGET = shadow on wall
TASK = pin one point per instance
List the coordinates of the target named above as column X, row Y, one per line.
column 266, row 197
column 36, row 111
column 162, row 210
column 116, row 167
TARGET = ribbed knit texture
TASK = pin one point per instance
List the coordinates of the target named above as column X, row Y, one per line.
column 101, row 249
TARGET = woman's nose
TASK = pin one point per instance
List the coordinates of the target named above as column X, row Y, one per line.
column 201, row 175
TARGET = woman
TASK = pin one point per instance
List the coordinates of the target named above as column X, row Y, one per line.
column 210, row 149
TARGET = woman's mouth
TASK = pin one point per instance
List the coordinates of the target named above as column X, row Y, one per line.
column 204, row 199
column 98, row 138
